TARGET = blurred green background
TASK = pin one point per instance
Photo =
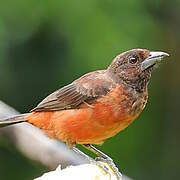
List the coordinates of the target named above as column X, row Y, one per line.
column 47, row 44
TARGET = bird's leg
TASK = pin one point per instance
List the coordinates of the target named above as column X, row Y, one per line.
column 100, row 155
column 104, row 158
column 82, row 154
column 91, row 160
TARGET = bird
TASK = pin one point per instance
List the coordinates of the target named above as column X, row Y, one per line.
column 99, row 104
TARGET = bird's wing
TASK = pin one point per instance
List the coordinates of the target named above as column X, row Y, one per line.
column 88, row 87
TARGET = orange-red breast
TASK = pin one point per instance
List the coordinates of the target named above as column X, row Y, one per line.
column 99, row 104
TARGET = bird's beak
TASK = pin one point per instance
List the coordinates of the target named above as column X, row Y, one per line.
column 154, row 57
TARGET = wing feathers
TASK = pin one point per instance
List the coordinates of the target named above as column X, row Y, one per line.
column 65, row 98
column 89, row 86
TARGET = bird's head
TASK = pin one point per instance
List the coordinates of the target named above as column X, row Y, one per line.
column 134, row 67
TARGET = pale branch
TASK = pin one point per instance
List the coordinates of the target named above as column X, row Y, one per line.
column 35, row 145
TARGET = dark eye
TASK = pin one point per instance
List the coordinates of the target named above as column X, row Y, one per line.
column 133, row 59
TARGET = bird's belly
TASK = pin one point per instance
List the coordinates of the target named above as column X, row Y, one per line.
column 90, row 125
column 82, row 126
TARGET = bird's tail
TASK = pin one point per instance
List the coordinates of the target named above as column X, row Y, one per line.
column 13, row 120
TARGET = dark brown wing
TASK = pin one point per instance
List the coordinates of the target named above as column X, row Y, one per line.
column 89, row 86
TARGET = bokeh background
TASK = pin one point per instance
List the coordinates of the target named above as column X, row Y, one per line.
column 47, row 44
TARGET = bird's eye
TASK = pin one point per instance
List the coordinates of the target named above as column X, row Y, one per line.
column 133, row 59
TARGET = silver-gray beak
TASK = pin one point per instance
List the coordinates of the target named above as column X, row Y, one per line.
column 154, row 57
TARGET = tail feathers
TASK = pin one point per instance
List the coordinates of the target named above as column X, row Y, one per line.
column 13, row 120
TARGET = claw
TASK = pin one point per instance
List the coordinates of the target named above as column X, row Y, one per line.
column 109, row 166
column 106, row 160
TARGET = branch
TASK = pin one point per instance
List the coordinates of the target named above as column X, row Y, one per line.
column 31, row 142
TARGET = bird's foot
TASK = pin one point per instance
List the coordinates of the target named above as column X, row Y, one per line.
column 107, row 161
column 108, row 165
